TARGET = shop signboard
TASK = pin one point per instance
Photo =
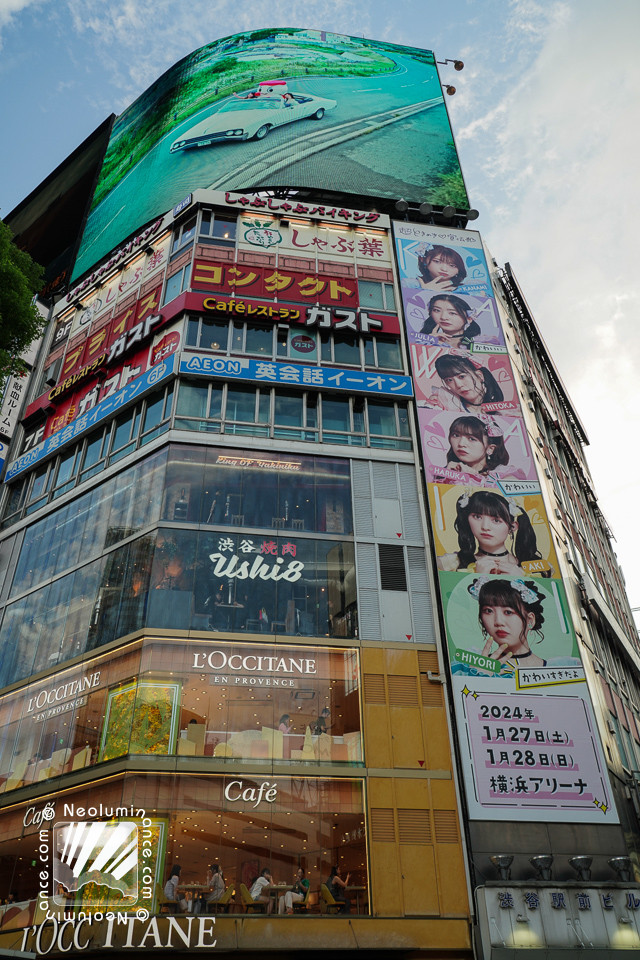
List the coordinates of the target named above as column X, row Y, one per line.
column 104, row 409
column 531, row 749
column 277, row 107
column 261, row 371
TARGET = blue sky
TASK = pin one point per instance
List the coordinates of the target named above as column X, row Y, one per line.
column 545, row 119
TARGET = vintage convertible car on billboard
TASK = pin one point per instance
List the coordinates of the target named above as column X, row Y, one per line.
column 251, row 119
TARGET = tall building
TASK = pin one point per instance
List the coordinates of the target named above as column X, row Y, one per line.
column 302, row 568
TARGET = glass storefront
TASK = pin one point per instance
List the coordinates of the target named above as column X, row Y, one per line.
column 263, row 550
column 231, row 702
column 243, row 823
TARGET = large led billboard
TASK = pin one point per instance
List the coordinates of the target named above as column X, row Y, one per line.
column 273, row 108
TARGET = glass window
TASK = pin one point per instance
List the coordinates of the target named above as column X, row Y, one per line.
column 193, row 332
column 370, row 359
column 389, row 296
column 370, row 294
column 94, row 452
column 16, row 496
column 66, row 471
column 336, row 414
column 313, row 822
column 382, row 418
column 224, row 230
column 289, row 410
column 124, row 432
column 41, row 482
column 241, row 404
column 177, row 283
column 157, row 409
column 346, row 350
column 214, row 334
column 206, row 220
column 184, row 235
column 389, row 354
column 192, row 399
column 264, row 407
column 259, row 340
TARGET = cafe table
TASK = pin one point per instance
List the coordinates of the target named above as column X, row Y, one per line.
column 278, row 890
column 358, row 891
column 195, row 889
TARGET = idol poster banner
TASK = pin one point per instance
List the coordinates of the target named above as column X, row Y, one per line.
column 526, row 727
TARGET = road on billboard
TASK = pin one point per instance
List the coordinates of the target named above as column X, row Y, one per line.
column 279, row 156
column 371, row 129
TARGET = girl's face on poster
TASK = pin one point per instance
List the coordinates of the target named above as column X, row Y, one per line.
column 447, row 318
column 505, row 626
column 469, row 450
column 490, row 532
column 441, row 269
column 467, row 386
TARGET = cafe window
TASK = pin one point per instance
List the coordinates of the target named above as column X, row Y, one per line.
column 283, row 342
column 246, row 824
column 208, row 333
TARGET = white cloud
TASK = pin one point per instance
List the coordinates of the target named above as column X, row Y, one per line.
column 10, row 9
column 560, row 152
column 138, row 39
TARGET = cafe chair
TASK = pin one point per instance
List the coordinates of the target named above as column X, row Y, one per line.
column 163, row 901
column 329, row 905
column 251, row 906
column 302, row 906
column 222, row 905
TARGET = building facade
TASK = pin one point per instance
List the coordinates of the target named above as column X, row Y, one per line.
column 276, row 452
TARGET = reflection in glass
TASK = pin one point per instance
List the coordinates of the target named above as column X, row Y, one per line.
column 198, row 820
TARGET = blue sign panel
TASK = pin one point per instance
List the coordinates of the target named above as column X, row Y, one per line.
column 331, row 378
column 101, row 411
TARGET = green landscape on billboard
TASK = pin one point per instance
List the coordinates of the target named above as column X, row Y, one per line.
column 277, row 108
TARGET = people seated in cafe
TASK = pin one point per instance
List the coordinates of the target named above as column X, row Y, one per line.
column 260, row 887
column 12, row 898
column 285, row 726
column 336, row 886
column 215, row 880
column 171, row 888
column 321, row 724
column 296, row 895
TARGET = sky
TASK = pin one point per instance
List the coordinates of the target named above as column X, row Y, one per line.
column 545, row 119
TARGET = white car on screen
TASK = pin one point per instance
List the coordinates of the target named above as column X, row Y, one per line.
column 251, row 119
